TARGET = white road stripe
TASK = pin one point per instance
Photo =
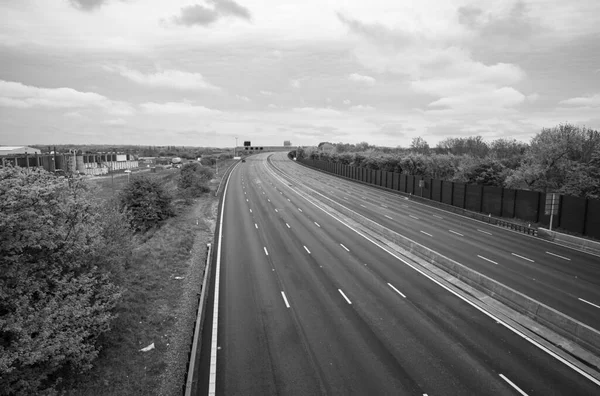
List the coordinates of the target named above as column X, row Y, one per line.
column 385, row 206
column 513, row 385
column 268, row 200
column 288, row 226
column 266, row 252
column 457, row 233
column 397, row 291
column 556, row 255
column 487, row 259
column 250, row 210
column 524, row 258
column 307, row 251
column 300, row 209
column 317, row 224
column 343, row 295
column 246, row 199
column 344, row 247
column 363, row 205
column 276, row 211
column 388, row 217
column 289, row 200
column 405, row 205
column 485, row 232
column 581, row 299
column 439, row 217
column 256, row 226
column 426, row 233
column 285, row 299
column 414, row 217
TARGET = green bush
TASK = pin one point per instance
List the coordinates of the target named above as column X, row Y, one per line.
column 58, row 249
column 193, row 180
column 147, row 203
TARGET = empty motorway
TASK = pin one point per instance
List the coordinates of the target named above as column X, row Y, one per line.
column 302, row 304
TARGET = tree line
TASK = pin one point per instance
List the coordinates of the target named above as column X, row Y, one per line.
column 564, row 159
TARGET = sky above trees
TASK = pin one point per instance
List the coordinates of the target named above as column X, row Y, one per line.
column 201, row 72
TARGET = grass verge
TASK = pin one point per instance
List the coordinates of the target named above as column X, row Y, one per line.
column 162, row 285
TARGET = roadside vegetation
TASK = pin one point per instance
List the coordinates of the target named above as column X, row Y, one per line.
column 563, row 159
column 92, row 272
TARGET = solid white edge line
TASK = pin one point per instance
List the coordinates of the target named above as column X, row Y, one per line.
column 285, row 299
column 556, row 255
column 488, row 314
column 585, row 301
column 266, row 252
column 485, row 232
column 397, row 291
column 388, row 217
column 524, row 258
column 513, row 385
column 343, row 295
column 426, row 233
column 457, row 233
column 305, row 248
column 212, row 378
column 487, row 259
column 344, row 247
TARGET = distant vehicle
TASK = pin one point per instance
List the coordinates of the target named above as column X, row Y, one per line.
column 243, row 160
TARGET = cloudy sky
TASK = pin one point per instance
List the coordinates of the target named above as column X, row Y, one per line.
column 202, row 72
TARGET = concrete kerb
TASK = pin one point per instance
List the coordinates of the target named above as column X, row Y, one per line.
column 567, row 327
column 571, row 241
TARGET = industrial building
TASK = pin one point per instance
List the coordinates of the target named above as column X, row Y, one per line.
column 16, row 150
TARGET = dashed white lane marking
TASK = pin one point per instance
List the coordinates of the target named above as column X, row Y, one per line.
column 388, row 217
column 343, row 295
column 515, row 387
column 556, row 255
column 266, row 252
column 268, row 200
column 250, row 210
column 414, row 217
column 385, row 206
column 363, row 197
column 587, row 302
column 300, row 209
column 246, row 199
column 289, row 200
column 317, row 224
column 244, row 192
column 454, row 232
column 363, row 205
column 426, row 233
column 344, row 247
column 487, row 259
column 439, row 217
column 307, row 251
column 396, row 290
column 485, row 232
column 276, row 211
column 256, row 226
column 285, row 299
column 524, row 258
column 288, row 226
column 405, row 205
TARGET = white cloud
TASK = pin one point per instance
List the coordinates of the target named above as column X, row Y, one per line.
column 115, row 122
column 266, row 93
column 347, row 101
column 361, row 79
column 533, row 97
column 319, row 111
column 177, row 108
column 175, row 79
column 362, row 108
column 272, row 106
column 243, row 98
column 295, row 84
column 18, row 95
column 591, row 101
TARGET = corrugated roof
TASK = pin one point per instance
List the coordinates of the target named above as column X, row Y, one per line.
column 11, row 147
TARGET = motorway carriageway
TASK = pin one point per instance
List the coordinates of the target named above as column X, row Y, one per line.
column 304, row 305
column 565, row 279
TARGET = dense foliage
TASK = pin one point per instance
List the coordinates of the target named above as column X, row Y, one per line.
column 193, row 179
column 60, row 251
column 147, row 202
column 563, row 159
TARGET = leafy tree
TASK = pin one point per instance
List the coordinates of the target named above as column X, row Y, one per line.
column 193, row 179
column 58, row 248
column 147, row 203
column 419, row 145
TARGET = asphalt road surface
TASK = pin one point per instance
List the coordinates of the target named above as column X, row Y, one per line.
column 307, row 306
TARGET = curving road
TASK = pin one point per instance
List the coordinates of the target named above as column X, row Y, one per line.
column 307, row 306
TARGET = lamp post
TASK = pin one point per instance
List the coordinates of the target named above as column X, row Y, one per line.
column 235, row 146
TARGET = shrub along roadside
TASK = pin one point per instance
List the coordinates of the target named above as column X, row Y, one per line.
column 60, row 254
column 147, row 202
